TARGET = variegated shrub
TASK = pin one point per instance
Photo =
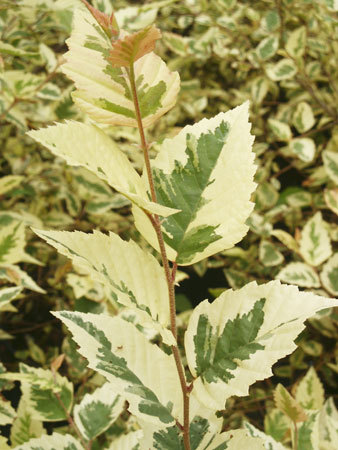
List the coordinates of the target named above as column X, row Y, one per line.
column 192, row 201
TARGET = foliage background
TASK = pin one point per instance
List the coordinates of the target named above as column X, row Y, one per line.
column 281, row 55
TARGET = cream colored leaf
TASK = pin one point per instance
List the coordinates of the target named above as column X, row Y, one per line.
column 303, row 118
column 52, row 442
column 7, row 412
column 126, row 441
column 286, row 239
column 330, row 160
column 236, row 440
column 288, row 405
column 315, row 245
column 304, row 148
column 329, row 275
column 331, row 199
column 103, row 91
column 280, row 129
column 9, row 182
column 12, row 243
column 300, row 274
column 295, row 44
column 310, row 392
column 88, row 146
column 24, row 426
column 133, row 276
column 206, row 171
column 234, row 341
column 268, row 441
column 122, row 354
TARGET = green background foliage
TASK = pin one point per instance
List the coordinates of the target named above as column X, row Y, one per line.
column 281, row 55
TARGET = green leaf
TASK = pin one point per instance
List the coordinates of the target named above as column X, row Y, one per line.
column 24, row 426
column 285, row 69
column 304, row 148
column 329, row 275
column 288, row 405
column 132, row 275
column 98, row 411
column 88, row 146
column 308, row 433
column 300, row 274
column 303, row 118
column 269, row 442
column 103, row 91
column 330, row 160
column 234, row 341
column 117, row 350
column 207, row 172
column 310, row 392
column 52, row 442
column 269, row 255
column 315, row 245
column 7, row 412
column 295, row 44
column 280, row 129
column 267, row 48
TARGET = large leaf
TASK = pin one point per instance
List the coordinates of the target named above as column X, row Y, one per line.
column 87, row 145
column 315, row 245
column 98, row 411
column 103, row 91
column 234, row 341
column 55, row 441
column 132, row 275
column 206, row 171
column 140, row 371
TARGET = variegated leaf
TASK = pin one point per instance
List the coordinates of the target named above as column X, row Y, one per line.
column 235, row 440
column 300, row 274
column 295, row 44
column 331, row 199
column 56, row 441
column 7, row 412
column 269, row 255
column 303, row 118
column 9, row 182
column 103, row 91
column 207, row 171
column 131, row 275
column 4, row 443
column 276, row 424
column 17, row 276
column 288, row 405
column 6, row 296
column 286, row 238
column 12, row 243
column 310, row 392
column 117, row 350
column 234, row 341
column 328, row 426
column 330, row 160
column 88, row 146
column 329, row 275
column 315, row 244
column 268, row 441
column 128, row 441
column 24, row 426
column 304, row 148
column 280, row 129
column 97, row 411
column 285, row 69
column 267, row 48
column 308, row 433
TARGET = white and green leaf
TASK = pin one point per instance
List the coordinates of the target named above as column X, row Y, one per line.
column 206, row 171
column 300, row 274
column 7, row 412
column 98, row 411
column 7, row 295
column 267, row 47
column 269, row 255
column 88, row 146
column 52, row 442
column 285, row 69
column 315, row 245
column 234, row 341
column 331, row 199
column 131, row 275
column 268, row 441
column 121, row 353
column 12, row 243
column 329, row 275
column 330, row 160
column 24, row 426
column 310, row 392
column 104, row 92
column 303, row 148
column 281, row 130
column 129, row 441
column 9, row 182
column 295, row 44
column 303, row 118
column 14, row 274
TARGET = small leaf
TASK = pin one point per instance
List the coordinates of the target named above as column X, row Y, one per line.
column 276, row 424
column 127, row 441
column 235, row 340
column 17, row 276
column 295, row 44
column 304, row 148
column 300, row 274
column 130, row 48
column 56, row 364
column 331, row 199
column 52, row 442
column 108, row 23
column 286, row 239
column 7, row 412
column 24, row 426
column 329, row 275
column 7, row 295
column 9, row 182
column 285, row 69
column 267, row 48
column 288, row 405
column 315, row 245
column 330, row 160
column 204, row 167
column 236, row 440
column 269, row 255
column 280, row 129
column 12, row 243
column 310, row 392
column 98, row 411
column 269, row 442
column 303, row 118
